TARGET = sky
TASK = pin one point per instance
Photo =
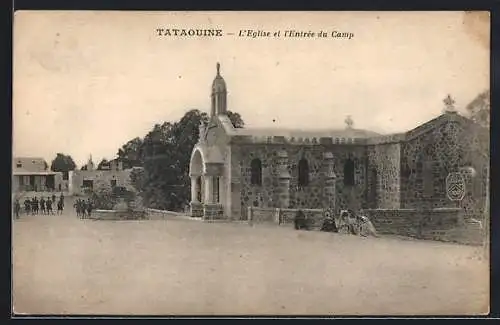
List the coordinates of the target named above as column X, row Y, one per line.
column 87, row 82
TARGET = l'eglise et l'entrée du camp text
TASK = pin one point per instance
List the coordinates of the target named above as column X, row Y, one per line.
column 250, row 33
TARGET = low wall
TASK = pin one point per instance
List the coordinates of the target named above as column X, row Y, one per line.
column 155, row 214
column 118, row 215
column 284, row 217
column 262, row 215
column 445, row 224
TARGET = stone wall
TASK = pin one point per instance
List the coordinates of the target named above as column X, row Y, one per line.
column 100, row 178
column 118, row 215
column 284, row 217
column 263, row 215
column 155, row 214
column 311, row 196
column 315, row 217
column 426, row 161
column 383, row 181
column 444, row 224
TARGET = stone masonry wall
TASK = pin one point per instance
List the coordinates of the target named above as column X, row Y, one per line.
column 311, row 196
column 383, row 181
column 445, row 224
column 426, row 161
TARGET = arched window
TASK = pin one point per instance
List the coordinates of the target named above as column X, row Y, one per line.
column 303, row 173
column 349, row 173
column 256, row 172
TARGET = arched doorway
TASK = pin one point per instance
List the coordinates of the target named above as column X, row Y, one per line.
column 196, row 172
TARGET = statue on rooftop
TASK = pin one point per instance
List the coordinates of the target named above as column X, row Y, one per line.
column 349, row 122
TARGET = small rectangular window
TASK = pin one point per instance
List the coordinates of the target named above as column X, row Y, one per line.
column 88, row 183
column 19, row 165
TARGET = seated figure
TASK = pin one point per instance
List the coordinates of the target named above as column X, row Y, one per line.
column 366, row 227
column 300, row 221
column 329, row 224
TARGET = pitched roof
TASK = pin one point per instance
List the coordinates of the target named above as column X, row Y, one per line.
column 28, row 164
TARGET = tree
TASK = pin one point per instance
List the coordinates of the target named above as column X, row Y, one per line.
column 159, row 160
column 479, row 109
column 131, row 153
column 164, row 154
column 63, row 163
column 478, row 138
column 104, row 164
column 137, row 178
column 236, row 119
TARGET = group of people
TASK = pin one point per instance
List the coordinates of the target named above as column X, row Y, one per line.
column 348, row 222
column 44, row 206
column 83, row 208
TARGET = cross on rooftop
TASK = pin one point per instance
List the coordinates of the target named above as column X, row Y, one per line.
column 449, row 104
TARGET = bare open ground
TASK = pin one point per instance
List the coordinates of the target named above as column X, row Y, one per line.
column 62, row 265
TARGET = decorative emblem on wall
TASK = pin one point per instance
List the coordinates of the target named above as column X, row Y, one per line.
column 455, row 186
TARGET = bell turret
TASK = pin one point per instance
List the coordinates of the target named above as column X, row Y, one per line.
column 219, row 94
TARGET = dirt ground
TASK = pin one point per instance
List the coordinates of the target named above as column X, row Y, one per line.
column 62, row 265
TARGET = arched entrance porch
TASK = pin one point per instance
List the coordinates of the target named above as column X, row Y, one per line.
column 206, row 174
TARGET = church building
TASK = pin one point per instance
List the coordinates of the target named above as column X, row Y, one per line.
column 234, row 168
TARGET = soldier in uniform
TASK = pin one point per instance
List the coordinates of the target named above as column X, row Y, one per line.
column 60, row 206
column 34, row 206
column 49, row 206
column 17, row 208
column 62, row 199
column 27, row 206
column 89, row 207
column 42, row 205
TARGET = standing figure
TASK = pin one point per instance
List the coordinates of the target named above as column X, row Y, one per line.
column 80, row 206
column 42, row 205
column 62, row 199
column 49, row 206
column 89, row 207
column 60, row 207
column 27, row 206
column 17, row 208
column 83, row 209
column 34, row 206
column 53, row 198
column 77, row 208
